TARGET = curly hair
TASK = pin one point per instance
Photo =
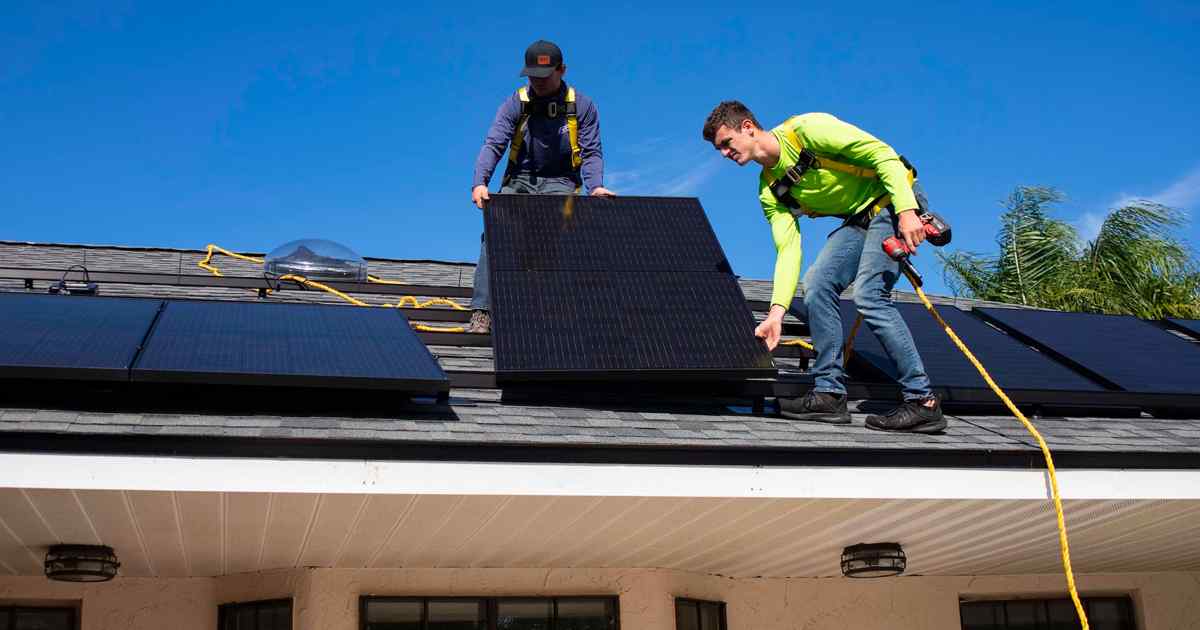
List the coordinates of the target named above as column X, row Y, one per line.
column 730, row 114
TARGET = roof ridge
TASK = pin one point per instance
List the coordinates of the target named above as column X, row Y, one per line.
column 182, row 250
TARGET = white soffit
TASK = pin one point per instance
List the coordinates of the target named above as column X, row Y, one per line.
column 181, row 474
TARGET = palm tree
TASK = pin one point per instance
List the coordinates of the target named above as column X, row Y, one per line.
column 1136, row 265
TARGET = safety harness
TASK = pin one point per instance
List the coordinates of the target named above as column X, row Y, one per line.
column 551, row 111
column 781, row 187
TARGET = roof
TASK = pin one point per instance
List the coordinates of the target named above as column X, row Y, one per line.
column 478, row 424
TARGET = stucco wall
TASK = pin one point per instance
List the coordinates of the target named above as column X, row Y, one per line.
column 327, row 599
column 124, row 603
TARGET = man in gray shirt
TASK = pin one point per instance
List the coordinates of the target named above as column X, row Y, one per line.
column 554, row 133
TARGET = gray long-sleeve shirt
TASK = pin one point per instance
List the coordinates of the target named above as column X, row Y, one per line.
column 546, row 148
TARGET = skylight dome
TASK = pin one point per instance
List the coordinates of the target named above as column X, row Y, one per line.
column 316, row 259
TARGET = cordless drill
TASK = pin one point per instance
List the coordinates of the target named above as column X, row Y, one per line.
column 937, row 232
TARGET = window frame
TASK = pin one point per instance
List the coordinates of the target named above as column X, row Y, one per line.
column 224, row 609
column 1130, row 621
column 8, row 615
column 721, row 610
column 490, row 606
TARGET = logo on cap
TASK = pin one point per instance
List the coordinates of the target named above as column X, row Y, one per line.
column 543, row 60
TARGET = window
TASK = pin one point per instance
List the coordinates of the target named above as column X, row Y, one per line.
column 488, row 613
column 275, row 614
column 29, row 618
column 695, row 614
column 1104, row 613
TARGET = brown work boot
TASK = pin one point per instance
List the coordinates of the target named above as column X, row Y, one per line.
column 481, row 323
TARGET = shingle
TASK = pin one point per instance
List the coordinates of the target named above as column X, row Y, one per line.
column 480, row 416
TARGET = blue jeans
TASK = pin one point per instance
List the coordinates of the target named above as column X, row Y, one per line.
column 521, row 183
column 853, row 254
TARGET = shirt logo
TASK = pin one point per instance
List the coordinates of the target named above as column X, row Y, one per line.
column 543, row 60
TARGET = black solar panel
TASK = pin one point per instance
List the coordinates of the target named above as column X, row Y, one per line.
column 1190, row 326
column 631, row 287
column 1132, row 354
column 71, row 337
column 571, row 233
column 240, row 343
column 1012, row 364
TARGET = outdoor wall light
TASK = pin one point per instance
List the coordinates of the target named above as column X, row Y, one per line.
column 873, row 560
column 81, row 563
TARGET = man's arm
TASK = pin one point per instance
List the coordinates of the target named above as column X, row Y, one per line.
column 788, row 253
column 826, row 135
column 496, row 142
column 590, row 149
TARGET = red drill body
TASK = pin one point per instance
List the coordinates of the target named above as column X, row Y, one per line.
column 937, row 232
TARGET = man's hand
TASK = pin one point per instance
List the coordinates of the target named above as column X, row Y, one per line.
column 771, row 328
column 601, row 191
column 911, row 230
column 479, row 195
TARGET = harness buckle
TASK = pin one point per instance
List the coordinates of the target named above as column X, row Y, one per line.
column 552, row 109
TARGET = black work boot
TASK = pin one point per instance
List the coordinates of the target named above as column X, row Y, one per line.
column 817, row 407
column 912, row 416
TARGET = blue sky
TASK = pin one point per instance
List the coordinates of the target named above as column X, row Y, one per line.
column 147, row 124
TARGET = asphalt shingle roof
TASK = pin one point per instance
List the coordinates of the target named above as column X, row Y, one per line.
column 479, row 418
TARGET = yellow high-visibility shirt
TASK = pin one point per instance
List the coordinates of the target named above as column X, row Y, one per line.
column 824, row 192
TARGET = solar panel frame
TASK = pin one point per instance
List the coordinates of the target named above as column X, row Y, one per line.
column 556, row 233
column 72, row 337
column 289, row 345
column 1190, row 327
column 576, row 298
column 1024, row 373
column 1113, row 348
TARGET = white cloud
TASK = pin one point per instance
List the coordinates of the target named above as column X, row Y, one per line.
column 689, row 182
column 623, row 180
column 1183, row 193
column 1089, row 224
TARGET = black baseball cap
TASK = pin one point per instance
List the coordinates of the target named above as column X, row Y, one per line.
column 542, row 58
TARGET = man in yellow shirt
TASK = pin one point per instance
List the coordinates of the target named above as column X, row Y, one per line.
column 816, row 165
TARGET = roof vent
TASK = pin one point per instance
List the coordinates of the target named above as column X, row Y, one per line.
column 316, row 259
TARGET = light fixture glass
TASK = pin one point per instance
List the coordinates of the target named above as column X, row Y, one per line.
column 873, row 560
column 81, row 563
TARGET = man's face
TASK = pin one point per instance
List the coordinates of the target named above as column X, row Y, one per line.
column 735, row 144
column 548, row 85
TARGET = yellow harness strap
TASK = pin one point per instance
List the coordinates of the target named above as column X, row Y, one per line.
column 518, row 137
column 789, row 127
column 825, row 163
column 573, row 130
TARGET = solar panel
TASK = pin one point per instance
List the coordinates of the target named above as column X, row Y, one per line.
column 291, row 345
column 1129, row 353
column 1189, row 326
column 571, row 233
column 620, row 288
column 1012, row 364
column 71, row 337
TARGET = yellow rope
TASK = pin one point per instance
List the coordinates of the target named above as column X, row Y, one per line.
column 213, row 247
column 406, row 300
column 798, row 342
column 1058, row 510
column 849, row 349
column 410, row 300
column 313, row 283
